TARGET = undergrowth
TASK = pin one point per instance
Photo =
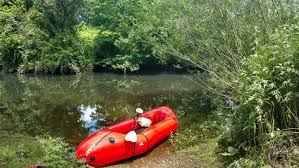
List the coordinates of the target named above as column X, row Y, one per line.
column 195, row 134
column 282, row 151
column 25, row 151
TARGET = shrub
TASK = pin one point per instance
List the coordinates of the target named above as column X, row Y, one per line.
column 57, row 153
column 267, row 89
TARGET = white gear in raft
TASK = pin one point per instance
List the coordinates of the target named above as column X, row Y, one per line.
column 139, row 110
column 131, row 136
column 144, row 122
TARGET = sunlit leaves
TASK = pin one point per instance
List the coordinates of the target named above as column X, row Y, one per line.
column 38, row 36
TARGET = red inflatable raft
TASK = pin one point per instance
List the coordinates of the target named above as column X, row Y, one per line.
column 109, row 145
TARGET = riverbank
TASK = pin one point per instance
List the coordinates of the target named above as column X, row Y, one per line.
column 201, row 156
column 194, row 146
column 184, row 149
column 55, row 153
column 47, row 114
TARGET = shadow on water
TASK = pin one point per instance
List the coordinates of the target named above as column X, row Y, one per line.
column 73, row 107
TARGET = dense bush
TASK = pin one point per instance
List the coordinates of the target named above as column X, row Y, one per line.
column 56, row 153
column 268, row 88
column 250, row 50
column 40, row 37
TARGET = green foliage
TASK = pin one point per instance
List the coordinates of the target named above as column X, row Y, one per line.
column 87, row 36
column 250, row 54
column 120, row 34
column 267, row 96
column 267, row 88
column 127, row 41
column 244, row 162
column 18, row 151
column 212, row 35
column 127, row 34
column 38, row 36
column 123, row 62
column 12, row 20
column 24, row 151
column 57, row 153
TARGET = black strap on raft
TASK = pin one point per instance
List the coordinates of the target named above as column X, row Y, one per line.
column 161, row 109
column 135, row 124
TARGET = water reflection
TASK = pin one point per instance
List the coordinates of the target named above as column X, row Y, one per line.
column 88, row 117
column 53, row 105
column 91, row 119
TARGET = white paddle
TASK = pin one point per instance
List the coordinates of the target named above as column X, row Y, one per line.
column 132, row 136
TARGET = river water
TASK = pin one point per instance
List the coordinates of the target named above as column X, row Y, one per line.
column 72, row 107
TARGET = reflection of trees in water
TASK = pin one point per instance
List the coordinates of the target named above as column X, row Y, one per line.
column 43, row 105
column 49, row 105
column 125, row 85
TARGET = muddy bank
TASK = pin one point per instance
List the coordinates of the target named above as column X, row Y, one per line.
column 201, row 156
